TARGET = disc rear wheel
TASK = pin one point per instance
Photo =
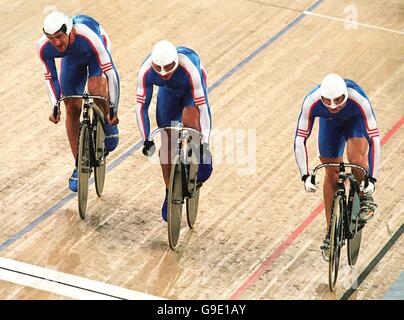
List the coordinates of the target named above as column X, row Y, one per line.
column 193, row 187
column 99, row 172
column 355, row 226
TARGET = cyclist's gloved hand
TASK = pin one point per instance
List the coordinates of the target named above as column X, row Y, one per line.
column 368, row 186
column 55, row 115
column 310, row 185
column 148, row 148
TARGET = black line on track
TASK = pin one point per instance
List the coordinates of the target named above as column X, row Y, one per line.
column 373, row 263
column 62, row 283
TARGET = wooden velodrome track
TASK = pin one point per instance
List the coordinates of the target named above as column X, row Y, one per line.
column 258, row 232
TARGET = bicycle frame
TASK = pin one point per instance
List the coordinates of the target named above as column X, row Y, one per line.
column 85, row 96
column 344, row 219
column 87, row 105
column 342, row 178
column 183, row 140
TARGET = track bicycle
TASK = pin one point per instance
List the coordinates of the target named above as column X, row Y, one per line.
column 91, row 153
column 345, row 224
column 183, row 184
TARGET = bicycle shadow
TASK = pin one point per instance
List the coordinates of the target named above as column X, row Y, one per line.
column 348, row 277
column 64, row 255
column 161, row 274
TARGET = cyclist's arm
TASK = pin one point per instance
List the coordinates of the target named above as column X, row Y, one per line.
column 50, row 74
column 372, row 131
column 304, row 126
column 198, row 93
column 144, row 94
column 204, row 117
column 105, row 61
column 374, row 156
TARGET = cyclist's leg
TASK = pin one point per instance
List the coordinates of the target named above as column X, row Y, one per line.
column 357, row 145
column 73, row 79
column 168, row 113
column 98, row 85
column 191, row 119
column 331, row 144
column 357, row 152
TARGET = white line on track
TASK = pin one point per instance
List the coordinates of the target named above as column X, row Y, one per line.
column 65, row 284
column 352, row 22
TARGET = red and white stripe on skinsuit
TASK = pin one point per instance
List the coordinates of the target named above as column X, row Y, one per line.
column 198, row 94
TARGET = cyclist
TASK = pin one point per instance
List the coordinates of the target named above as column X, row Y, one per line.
column 182, row 96
column 346, row 118
column 84, row 49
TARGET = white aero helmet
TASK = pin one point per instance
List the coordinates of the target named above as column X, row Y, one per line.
column 57, row 21
column 332, row 87
column 164, row 53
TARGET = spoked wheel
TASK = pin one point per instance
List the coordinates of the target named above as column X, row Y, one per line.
column 99, row 172
column 84, row 169
column 193, row 187
column 335, row 241
column 175, row 202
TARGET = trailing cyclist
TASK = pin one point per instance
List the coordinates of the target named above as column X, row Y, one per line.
column 346, row 118
column 84, row 48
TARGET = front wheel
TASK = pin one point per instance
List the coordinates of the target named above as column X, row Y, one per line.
column 336, row 235
column 84, row 168
column 175, row 201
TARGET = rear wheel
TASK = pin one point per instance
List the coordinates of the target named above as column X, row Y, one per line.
column 193, row 187
column 192, row 208
column 353, row 247
column 355, row 226
column 175, row 201
column 336, row 234
column 83, row 168
column 99, row 172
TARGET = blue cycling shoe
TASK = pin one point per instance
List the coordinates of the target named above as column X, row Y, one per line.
column 204, row 171
column 205, row 167
column 164, row 208
column 111, row 137
column 73, row 180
